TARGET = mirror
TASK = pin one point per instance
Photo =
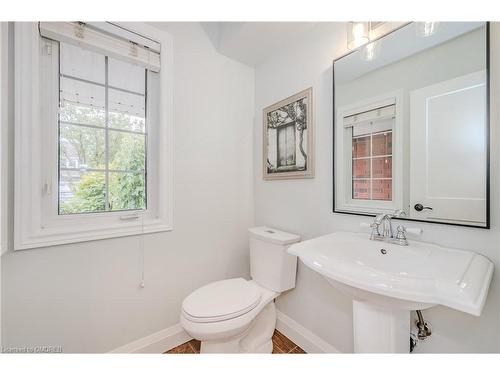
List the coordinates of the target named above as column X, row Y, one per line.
column 411, row 125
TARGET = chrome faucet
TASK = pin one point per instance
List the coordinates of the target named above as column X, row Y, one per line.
column 382, row 229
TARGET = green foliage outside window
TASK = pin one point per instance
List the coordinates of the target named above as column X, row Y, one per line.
column 86, row 190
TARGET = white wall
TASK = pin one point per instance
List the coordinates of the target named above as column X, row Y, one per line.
column 305, row 206
column 3, row 90
column 86, row 297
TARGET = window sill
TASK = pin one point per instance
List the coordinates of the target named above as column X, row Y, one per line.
column 89, row 232
column 373, row 208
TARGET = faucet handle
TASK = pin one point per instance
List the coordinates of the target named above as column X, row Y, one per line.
column 375, row 230
column 401, row 232
column 401, row 236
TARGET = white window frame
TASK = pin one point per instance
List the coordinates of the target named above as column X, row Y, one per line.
column 4, row 119
column 343, row 157
column 36, row 223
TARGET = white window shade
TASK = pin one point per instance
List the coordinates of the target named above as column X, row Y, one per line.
column 374, row 121
column 372, row 115
column 108, row 39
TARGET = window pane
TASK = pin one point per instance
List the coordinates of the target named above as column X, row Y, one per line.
column 82, row 102
column 286, row 145
column 81, row 192
column 361, row 147
column 382, row 143
column 382, row 190
column 127, row 122
column 85, row 96
column 126, row 76
column 127, row 191
column 361, row 189
column 127, row 111
column 382, row 167
column 127, row 151
column 81, row 147
column 361, row 168
column 82, row 63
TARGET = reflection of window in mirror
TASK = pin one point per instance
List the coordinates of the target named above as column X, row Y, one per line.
column 371, row 146
column 372, row 159
column 370, row 153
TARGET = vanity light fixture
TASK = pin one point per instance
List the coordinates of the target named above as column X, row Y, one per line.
column 358, row 33
column 425, row 29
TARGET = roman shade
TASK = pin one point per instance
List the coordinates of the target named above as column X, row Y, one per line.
column 373, row 121
column 106, row 38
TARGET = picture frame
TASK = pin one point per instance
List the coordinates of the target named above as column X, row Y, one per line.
column 288, row 138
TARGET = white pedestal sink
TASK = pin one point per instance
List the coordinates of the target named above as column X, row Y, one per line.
column 387, row 281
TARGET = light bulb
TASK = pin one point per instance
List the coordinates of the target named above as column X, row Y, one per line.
column 370, row 51
column 357, row 34
column 425, row 29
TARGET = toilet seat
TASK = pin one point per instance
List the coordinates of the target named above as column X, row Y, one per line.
column 228, row 328
column 221, row 300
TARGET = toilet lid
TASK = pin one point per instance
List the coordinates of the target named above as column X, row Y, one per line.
column 221, row 300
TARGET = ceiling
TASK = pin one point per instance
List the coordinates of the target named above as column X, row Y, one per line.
column 252, row 42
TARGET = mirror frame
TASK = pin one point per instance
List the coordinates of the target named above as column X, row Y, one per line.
column 488, row 136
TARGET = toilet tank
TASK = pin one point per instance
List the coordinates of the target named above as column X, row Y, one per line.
column 270, row 264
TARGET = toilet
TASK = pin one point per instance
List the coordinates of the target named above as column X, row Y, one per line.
column 238, row 315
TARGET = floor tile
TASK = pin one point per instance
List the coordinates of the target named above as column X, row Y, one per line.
column 185, row 348
column 277, row 350
column 282, row 342
column 281, row 345
column 195, row 344
column 297, row 350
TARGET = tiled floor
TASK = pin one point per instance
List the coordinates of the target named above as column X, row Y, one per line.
column 281, row 345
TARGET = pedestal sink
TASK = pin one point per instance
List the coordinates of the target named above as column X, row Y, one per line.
column 387, row 281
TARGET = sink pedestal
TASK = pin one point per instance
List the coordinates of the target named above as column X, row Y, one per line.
column 380, row 329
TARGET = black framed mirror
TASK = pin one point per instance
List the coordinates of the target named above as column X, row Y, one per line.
column 411, row 125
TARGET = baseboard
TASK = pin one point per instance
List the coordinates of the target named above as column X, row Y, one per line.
column 158, row 342
column 166, row 339
column 302, row 336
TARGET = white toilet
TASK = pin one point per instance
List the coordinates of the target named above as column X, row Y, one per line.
column 239, row 316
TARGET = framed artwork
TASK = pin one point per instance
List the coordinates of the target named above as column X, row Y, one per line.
column 288, row 148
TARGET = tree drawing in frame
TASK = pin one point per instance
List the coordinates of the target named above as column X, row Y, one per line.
column 288, row 138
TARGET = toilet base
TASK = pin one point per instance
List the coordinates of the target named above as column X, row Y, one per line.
column 256, row 339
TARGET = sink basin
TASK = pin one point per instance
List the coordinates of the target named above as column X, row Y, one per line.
column 386, row 280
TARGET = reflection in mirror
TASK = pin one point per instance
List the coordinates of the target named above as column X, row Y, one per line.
column 411, row 124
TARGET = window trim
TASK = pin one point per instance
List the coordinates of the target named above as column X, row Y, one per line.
column 5, row 81
column 33, row 225
column 343, row 173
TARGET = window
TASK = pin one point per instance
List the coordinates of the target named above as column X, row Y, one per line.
column 93, row 132
column 286, row 145
column 102, row 133
column 372, row 164
column 369, row 156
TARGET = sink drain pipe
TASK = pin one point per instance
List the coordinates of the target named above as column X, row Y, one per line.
column 424, row 331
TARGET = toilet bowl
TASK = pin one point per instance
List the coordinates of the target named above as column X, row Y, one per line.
column 238, row 315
